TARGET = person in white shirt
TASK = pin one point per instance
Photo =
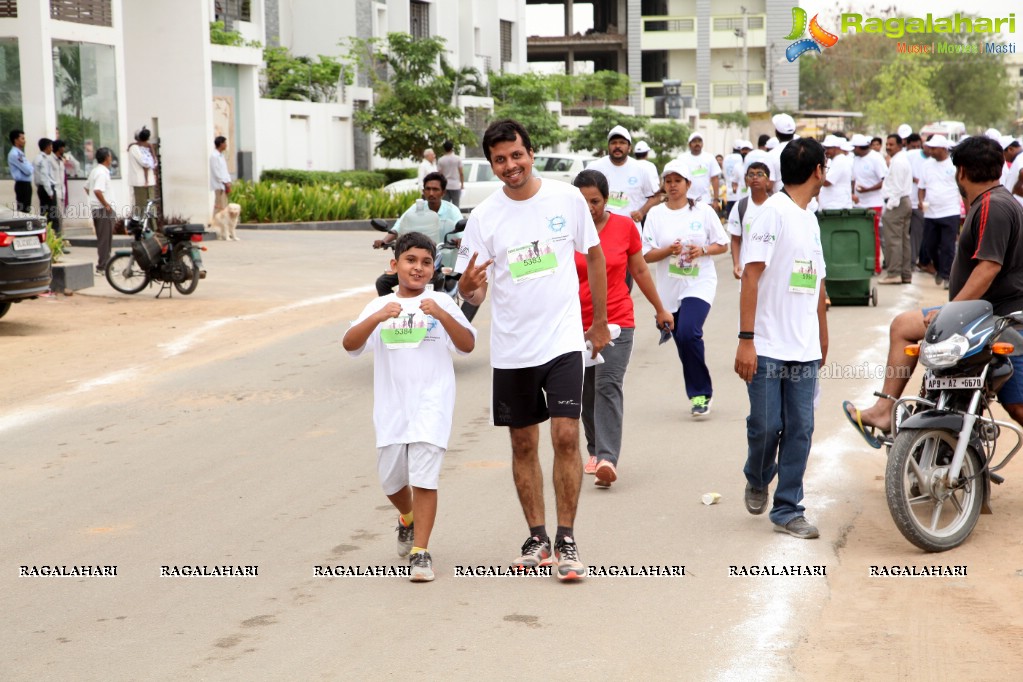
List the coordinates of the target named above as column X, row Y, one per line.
column 737, row 179
column 917, row 157
column 220, row 178
column 142, row 170
column 705, row 173
column 727, row 170
column 1011, row 178
column 785, row 132
column 632, row 191
column 45, row 181
column 680, row 237
column 783, row 338
column 426, row 166
column 526, row 237
column 869, row 171
column 836, row 193
column 99, row 189
column 740, row 219
column 898, row 253
column 60, row 175
column 940, row 199
column 642, row 153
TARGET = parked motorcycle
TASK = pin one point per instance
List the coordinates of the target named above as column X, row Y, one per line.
column 171, row 259
column 941, row 459
column 445, row 279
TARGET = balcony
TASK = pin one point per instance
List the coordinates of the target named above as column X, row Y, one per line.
column 668, row 33
column 723, row 31
column 726, row 97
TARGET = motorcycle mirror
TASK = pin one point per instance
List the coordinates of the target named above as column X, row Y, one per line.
column 379, row 225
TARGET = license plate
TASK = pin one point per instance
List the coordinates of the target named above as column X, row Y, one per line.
column 22, row 243
column 952, row 383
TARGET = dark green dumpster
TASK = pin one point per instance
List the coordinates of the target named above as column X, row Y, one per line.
column 848, row 240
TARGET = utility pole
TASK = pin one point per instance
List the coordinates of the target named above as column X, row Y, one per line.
column 744, row 76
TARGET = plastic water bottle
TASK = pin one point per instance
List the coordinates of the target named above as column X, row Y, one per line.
column 422, row 219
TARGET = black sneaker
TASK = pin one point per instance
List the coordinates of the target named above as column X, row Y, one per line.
column 421, row 565
column 701, row 406
column 535, row 552
column 567, row 556
column 800, row 528
column 756, row 499
column 406, row 535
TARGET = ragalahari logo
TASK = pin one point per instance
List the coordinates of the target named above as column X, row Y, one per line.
column 818, row 36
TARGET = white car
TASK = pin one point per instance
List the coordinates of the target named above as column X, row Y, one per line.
column 561, row 166
column 480, row 183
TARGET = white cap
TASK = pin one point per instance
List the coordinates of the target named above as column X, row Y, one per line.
column 772, row 143
column 831, row 141
column 860, row 140
column 619, row 131
column 844, row 145
column 737, row 144
column 642, row 147
column 938, row 141
column 679, row 167
column 694, row 135
column 1005, row 141
column 745, row 144
column 993, row 133
column 905, row 130
column 784, row 124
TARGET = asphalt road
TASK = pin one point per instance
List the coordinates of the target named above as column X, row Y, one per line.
column 243, row 436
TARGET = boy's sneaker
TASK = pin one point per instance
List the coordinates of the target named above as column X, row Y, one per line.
column 701, row 406
column 406, row 534
column 591, row 466
column 535, row 552
column 606, row 474
column 567, row 556
column 422, row 567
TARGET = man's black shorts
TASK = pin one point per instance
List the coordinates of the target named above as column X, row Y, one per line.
column 530, row 395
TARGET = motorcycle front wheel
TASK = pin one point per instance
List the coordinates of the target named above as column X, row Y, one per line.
column 186, row 274
column 930, row 515
column 124, row 274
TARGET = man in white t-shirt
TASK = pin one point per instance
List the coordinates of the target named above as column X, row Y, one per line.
column 642, row 153
column 426, row 166
column 632, row 191
column 917, row 157
column 727, row 169
column 1011, row 179
column 784, row 132
column 940, row 199
column 525, row 238
column 783, row 338
column 740, row 218
column 737, row 179
column 102, row 205
column 897, row 212
column 706, row 173
column 837, row 190
column 869, row 171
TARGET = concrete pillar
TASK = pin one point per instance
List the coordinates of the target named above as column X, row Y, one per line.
column 569, row 23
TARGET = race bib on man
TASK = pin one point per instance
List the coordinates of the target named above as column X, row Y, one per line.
column 405, row 331
column 532, row 260
column 617, row 200
column 803, row 279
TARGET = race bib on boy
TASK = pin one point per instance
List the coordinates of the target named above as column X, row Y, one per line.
column 617, row 200
column 532, row 260
column 803, row 279
column 405, row 331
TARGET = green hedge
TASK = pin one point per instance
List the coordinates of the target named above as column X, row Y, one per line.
column 364, row 179
column 396, row 174
column 281, row 202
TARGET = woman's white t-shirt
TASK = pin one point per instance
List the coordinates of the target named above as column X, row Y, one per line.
column 676, row 279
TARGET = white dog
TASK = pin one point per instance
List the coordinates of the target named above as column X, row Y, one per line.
column 226, row 220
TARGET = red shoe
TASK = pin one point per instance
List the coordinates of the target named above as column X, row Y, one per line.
column 591, row 466
column 606, row 474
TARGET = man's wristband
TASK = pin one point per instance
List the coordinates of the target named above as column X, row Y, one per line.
column 746, row 336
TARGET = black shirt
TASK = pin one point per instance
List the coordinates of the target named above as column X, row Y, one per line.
column 993, row 231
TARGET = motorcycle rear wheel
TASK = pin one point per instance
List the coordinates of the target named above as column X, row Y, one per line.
column 933, row 518
column 124, row 274
column 191, row 274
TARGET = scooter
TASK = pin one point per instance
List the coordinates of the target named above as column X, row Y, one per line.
column 445, row 279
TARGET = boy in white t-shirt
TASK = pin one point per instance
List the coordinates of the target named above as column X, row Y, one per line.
column 412, row 333
column 758, row 180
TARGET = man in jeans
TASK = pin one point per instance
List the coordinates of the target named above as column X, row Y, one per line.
column 783, row 338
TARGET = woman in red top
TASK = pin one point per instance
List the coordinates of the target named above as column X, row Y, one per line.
column 603, row 386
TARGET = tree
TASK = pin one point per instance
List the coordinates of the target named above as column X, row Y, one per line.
column 592, row 137
column 666, row 140
column 413, row 110
column 301, row 78
column 524, row 97
column 973, row 88
column 904, row 96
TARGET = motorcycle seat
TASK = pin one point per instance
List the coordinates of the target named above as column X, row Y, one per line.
column 183, row 230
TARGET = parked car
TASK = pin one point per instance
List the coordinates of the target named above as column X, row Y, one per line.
column 561, row 166
column 24, row 258
column 480, row 183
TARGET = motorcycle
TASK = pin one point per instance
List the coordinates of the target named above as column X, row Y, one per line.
column 445, row 279
column 942, row 453
column 173, row 258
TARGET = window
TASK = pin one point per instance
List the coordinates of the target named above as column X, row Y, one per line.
column 735, row 23
column 419, row 19
column 683, row 25
column 506, row 42
column 9, row 9
column 85, row 88
column 231, row 11
column 10, row 95
column 95, row 12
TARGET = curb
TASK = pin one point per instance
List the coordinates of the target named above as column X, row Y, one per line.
column 329, row 225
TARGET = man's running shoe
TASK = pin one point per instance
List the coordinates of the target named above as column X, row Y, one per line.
column 535, row 552
column 422, row 567
column 701, row 406
column 566, row 554
column 406, row 534
column 606, row 474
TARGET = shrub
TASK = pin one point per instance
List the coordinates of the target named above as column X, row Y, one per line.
column 396, row 174
column 281, row 202
column 351, row 178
